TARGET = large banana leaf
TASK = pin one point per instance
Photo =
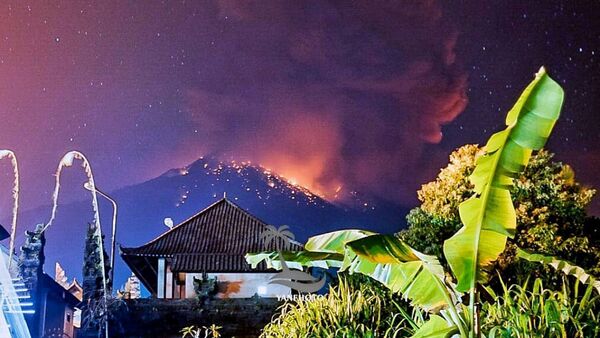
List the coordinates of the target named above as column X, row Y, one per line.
column 335, row 241
column 561, row 265
column 324, row 251
column 296, row 259
column 435, row 327
column 385, row 258
column 489, row 216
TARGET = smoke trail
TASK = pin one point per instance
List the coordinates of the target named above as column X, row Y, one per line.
column 15, row 193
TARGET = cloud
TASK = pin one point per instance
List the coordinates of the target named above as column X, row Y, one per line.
column 330, row 94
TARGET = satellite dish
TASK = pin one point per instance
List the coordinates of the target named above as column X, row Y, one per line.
column 169, row 222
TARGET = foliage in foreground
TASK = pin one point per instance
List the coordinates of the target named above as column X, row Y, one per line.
column 488, row 219
column 354, row 308
column 550, row 211
column 211, row 331
column 534, row 311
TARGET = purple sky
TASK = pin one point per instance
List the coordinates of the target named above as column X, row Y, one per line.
column 369, row 97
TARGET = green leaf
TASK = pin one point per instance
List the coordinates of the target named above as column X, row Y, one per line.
column 435, row 327
column 335, row 241
column 385, row 258
column 296, row 260
column 489, row 217
column 393, row 263
column 324, row 251
column 561, row 265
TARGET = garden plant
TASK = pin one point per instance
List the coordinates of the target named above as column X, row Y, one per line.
column 488, row 219
column 356, row 307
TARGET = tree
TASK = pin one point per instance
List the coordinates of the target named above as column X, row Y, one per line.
column 550, row 211
column 488, row 219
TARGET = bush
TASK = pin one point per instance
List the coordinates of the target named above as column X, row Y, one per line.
column 356, row 307
column 211, row 331
column 550, row 206
column 522, row 311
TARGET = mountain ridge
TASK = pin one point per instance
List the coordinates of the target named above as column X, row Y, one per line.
column 180, row 193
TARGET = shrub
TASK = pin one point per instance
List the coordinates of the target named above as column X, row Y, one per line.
column 524, row 311
column 356, row 307
column 211, row 331
column 550, row 206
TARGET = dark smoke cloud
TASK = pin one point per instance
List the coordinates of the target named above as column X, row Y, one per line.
column 329, row 94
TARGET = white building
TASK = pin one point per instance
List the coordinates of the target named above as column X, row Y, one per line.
column 214, row 242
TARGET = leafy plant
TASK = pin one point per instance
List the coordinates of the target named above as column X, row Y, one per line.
column 212, row 331
column 535, row 311
column 353, row 308
column 550, row 207
column 567, row 268
column 488, row 219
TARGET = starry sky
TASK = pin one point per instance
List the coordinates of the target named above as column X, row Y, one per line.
column 368, row 96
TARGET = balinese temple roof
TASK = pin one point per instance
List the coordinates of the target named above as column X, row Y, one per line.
column 214, row 240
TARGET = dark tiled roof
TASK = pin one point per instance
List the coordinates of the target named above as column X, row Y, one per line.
column 211, row 262
column 214, row 240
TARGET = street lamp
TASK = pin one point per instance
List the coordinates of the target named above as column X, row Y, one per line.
column 88, row 186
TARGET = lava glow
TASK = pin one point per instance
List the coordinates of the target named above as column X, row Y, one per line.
column 221, row 171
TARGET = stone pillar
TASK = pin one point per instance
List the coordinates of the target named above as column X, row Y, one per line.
column 160, row 285
column 169, row 282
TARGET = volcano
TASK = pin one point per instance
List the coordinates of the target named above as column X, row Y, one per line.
column 182, row 192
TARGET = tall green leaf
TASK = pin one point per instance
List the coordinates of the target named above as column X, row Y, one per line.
column 416, row 276
column 335, row 241
column 385, row 258
column 296, row 259
column 561, row 265
column 323, row 251
column 489, row 216
column 435, row 327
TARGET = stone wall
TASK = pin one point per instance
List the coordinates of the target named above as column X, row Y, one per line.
column 148, row 317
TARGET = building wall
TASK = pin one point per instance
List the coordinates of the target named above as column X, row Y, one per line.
column 151, row 317
column 54, row 320
column 69, row 328
column 239, row 285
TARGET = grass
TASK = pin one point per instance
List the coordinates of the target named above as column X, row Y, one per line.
column 534, row 311
column 353, row 308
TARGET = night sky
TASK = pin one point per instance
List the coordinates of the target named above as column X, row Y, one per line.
column 369, row 97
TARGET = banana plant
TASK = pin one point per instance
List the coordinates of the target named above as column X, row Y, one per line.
column 563, row 266
column 488, row 220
